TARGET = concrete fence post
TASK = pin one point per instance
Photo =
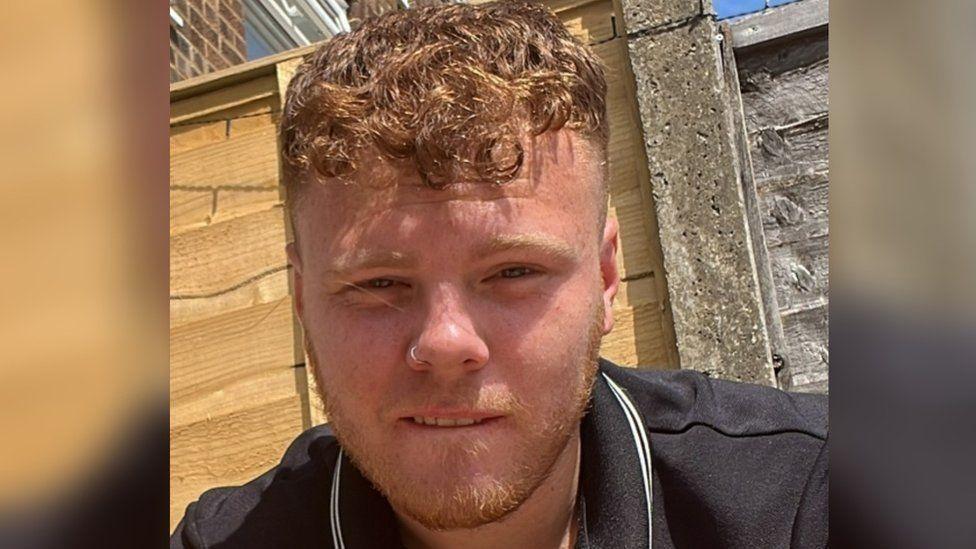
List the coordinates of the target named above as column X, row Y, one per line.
column 719, row 320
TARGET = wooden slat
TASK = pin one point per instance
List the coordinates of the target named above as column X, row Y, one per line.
column 792, row 152
column 205, row 104
column 230, row 449
column 561, row 6
column 192, row 209
column 210, row 354
column 234, row 203
column 628, row 204
column 237, row 394
column 267, row 289
column 189, row 212
column 248, row 159
column 637, row 338
column 212, row 260
column 234, row 75
column 253, row 115
column 191, row 136
column 795, row 208
column 634, row 253
column 624, row 175
column 590, row 22
column 189, row 209
column 776, row 93
column 218, row 125
column 637, row 292
column 228, row 266
column 284, row 72
column 800, row 273
column 621, row 116
column 807, row 336
column 785, row 101
column 779, row 22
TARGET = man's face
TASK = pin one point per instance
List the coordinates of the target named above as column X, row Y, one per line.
column 503, row 292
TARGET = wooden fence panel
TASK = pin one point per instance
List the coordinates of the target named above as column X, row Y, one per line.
column 238, row 394
column 784, row 88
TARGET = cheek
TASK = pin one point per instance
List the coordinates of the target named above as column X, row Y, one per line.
column 547, row 340
column 357, row 354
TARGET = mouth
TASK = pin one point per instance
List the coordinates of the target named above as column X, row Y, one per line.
column 454, row 422
column 447, row 422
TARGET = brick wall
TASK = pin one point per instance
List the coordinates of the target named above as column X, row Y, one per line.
column 211, row 38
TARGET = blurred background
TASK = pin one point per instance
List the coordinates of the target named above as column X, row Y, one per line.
column 903, row 265
column 83, row 317
column 84, row 329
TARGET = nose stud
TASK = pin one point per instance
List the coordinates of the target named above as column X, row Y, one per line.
column 413, row 356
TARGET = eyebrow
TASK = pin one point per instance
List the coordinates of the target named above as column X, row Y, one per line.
column 364, row 259
column 528, row 242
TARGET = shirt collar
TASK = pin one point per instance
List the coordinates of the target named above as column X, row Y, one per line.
column 615, row 470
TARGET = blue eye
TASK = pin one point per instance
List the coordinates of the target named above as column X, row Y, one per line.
column 515, row 272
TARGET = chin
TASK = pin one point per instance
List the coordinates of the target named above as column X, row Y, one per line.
column 463, row 483
column 456, row 500
column 453, row 485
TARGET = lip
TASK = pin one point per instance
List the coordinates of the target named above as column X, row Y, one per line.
column 482, row 418
column 446, row 413
column 488, row 422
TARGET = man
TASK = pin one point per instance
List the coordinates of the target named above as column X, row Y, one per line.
column 454, row 273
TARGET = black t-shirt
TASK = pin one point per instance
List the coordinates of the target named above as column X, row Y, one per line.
column 728, row 464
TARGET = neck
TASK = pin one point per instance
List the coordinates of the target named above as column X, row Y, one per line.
column 545, row 519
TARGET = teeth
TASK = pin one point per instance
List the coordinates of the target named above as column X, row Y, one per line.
column 444, row 422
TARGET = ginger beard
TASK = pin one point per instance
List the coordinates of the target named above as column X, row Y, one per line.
column 444, row 496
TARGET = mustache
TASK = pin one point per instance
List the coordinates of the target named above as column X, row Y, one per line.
column 488, row 398
column 485, row 398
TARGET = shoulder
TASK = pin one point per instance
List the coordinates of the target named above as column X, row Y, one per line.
column 677, row 400
column 753, row 459
column 275, row 499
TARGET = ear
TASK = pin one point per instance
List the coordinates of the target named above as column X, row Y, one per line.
column 608, row 268
column 296, row 268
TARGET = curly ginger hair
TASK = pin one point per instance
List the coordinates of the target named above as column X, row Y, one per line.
column 451, row 89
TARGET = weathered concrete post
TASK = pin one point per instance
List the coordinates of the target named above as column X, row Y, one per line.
column 695, row 180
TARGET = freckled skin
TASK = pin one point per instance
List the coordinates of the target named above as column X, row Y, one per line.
column 515, row 331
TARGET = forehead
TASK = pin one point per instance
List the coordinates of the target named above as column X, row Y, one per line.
column 561, row 177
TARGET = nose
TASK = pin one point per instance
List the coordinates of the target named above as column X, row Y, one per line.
column 448, row 341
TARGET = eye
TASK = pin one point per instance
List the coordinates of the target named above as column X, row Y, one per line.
column 377, row 284
column 515, row 272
